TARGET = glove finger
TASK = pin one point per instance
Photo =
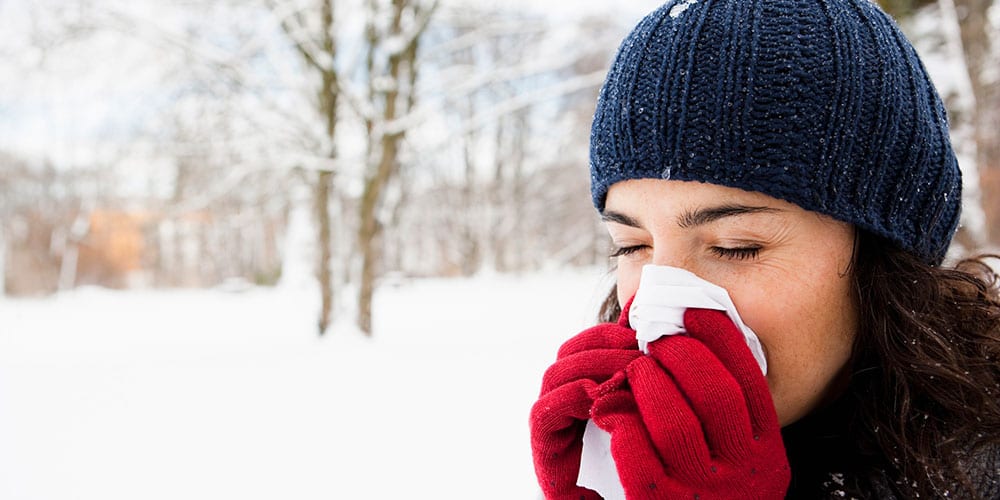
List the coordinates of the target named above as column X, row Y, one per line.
column 673, row 426
column 597, row 365
column 724, row 339
column 603, row 336
column 714, row 395
column 640, row 468
column 557, row 424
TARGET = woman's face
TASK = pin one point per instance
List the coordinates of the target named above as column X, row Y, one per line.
column 785, row 268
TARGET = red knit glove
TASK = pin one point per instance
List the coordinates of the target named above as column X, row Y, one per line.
column 694, row 419
column 559, row 416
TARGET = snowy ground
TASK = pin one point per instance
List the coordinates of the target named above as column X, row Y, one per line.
column 214, row 394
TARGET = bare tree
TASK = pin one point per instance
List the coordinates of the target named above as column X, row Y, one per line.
column 199, row 127
column 966, row 124
column 393, row 36
column 319, row 51
column 972, row 35
column 954, row 39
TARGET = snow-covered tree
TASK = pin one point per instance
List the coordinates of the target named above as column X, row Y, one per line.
column 958, row 43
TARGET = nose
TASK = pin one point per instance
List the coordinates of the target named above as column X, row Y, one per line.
column 667, row 254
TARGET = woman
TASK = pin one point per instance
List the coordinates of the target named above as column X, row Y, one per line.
column 796, row 154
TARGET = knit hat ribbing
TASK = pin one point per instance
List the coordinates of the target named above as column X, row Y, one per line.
column 822, row 103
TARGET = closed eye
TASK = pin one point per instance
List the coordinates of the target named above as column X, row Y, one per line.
column 739, row 253
column 627, row 250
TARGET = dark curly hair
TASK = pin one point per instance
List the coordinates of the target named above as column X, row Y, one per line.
column 924, row 392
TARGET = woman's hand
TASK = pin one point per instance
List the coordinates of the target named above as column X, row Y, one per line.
column 694, row 419
column 559, row 416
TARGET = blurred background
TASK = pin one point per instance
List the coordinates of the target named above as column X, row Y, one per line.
column 324, row 248
column 194, row 143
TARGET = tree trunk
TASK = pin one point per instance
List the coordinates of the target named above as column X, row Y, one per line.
column 324, row 274
column 973, row 233
column 973, row 21
column 322, row 60
column 3, row 263
column 470, row 212
column 370, row 231
column 384, row 144
column 324, row 181
column 71, row 248
column 498, row 191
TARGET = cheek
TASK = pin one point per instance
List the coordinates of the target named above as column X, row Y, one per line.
column 761, row 313
column 807, row 332
column 808, row 323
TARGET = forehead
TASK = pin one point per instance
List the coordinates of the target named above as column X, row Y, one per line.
column 640, row 195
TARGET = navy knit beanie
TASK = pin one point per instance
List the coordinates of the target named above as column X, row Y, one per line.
column 822, row 103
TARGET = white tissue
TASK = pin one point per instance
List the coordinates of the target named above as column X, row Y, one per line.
column 657, row 310
column 663, row 296
column 597, row 466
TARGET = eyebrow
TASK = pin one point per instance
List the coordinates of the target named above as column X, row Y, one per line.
column 692, row 218
column 707, row 215
column 619, row 218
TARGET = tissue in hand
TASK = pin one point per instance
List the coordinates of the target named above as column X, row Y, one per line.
column 657, row 310
column 663, row 296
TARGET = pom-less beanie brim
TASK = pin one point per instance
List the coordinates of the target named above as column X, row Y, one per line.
column 822, row 103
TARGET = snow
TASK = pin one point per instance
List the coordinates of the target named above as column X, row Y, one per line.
column 679, row 9
column 213, row 394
